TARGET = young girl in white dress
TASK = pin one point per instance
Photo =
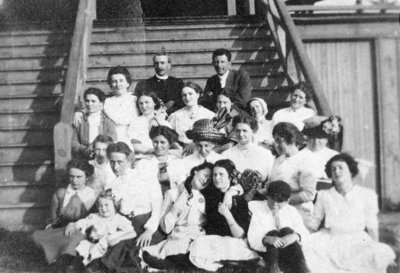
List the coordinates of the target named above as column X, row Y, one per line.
column 103, row 229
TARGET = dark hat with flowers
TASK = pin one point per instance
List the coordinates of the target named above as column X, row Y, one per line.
column 330, row 128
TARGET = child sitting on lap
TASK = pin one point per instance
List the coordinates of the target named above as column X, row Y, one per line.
column 103, row 229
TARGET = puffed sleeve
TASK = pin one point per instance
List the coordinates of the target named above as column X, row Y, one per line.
column 307, row 184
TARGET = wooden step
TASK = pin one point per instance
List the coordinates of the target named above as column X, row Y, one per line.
column 21, row 152
column 9, row 103
column 24, row 216
column 15, row 192
column 26, row 134
column 118, row 46
column 187, row 56
column 107, row 34
column 38, row 88
column 140, row 71
column 34, row 118
column 33, row 171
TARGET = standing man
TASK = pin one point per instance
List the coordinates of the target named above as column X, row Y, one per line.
column 236, row 83
column 167, row 88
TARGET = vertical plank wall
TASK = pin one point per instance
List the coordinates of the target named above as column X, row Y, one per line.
column 388, row 74
column 345, row 70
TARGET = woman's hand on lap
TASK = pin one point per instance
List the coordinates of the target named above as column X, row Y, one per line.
column 145, row 238
column 69, row 229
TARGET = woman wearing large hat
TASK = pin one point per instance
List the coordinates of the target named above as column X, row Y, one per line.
column 205, row 138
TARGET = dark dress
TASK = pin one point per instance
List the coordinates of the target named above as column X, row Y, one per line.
column 212, row 251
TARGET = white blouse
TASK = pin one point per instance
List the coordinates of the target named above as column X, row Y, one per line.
column 263, row 221
column 291, row 115
column 352, row 212
column 122, row 110
column 181, row 121
column 196, row 159
column 139, row 193
column 253, row 157
column 87, row 196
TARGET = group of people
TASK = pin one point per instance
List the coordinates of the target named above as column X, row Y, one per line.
column 176, row 177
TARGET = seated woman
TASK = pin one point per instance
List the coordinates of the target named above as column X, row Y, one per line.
column 121, row 106
column 170, row 170
column 183, row 219
column 226, row 228
column 224, row 100
column 348, row 239
column 152, row 114
column 258, row 109
column 246, row 154
column 317, row 143
column 141, row 199
column 183, row 119
column 277, row 229
column 205, row 139
column 68, row 205
column 295, row 167
column 297, row 112
column 93, row 123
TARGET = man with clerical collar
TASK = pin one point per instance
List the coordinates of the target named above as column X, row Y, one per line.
column 235, row 82
column 167, row 88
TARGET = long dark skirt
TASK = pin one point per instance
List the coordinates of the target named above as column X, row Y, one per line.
column 123, row 257
column 54, row 242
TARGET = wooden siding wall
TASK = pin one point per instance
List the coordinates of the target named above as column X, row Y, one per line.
column 345, row 71
column 359, row 66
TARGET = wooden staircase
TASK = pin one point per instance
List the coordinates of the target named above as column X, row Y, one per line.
column 32, row 71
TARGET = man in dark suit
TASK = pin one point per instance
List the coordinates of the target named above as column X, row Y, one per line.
column 236, row 83
column 165, row 87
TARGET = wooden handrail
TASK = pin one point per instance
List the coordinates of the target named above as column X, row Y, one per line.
column 294, row 53
column 74, row 85
column 338, row 9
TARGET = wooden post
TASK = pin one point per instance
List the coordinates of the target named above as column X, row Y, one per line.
column 231, row 7
column 75, row 82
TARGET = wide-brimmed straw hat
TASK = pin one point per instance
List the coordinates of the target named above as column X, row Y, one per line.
column 203, row 130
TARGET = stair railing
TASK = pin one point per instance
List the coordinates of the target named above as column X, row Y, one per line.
column 74, row 85
column 291, row 50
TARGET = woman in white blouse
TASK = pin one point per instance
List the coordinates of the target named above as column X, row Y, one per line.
column 246, row 154
column 295, row 167
column 297, row 112
column 183, row 119
column 121, row 106
column 258, row 110
column 348, row 240
column 151, row 114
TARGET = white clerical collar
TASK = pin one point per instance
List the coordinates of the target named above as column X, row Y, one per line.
column 162, row 77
